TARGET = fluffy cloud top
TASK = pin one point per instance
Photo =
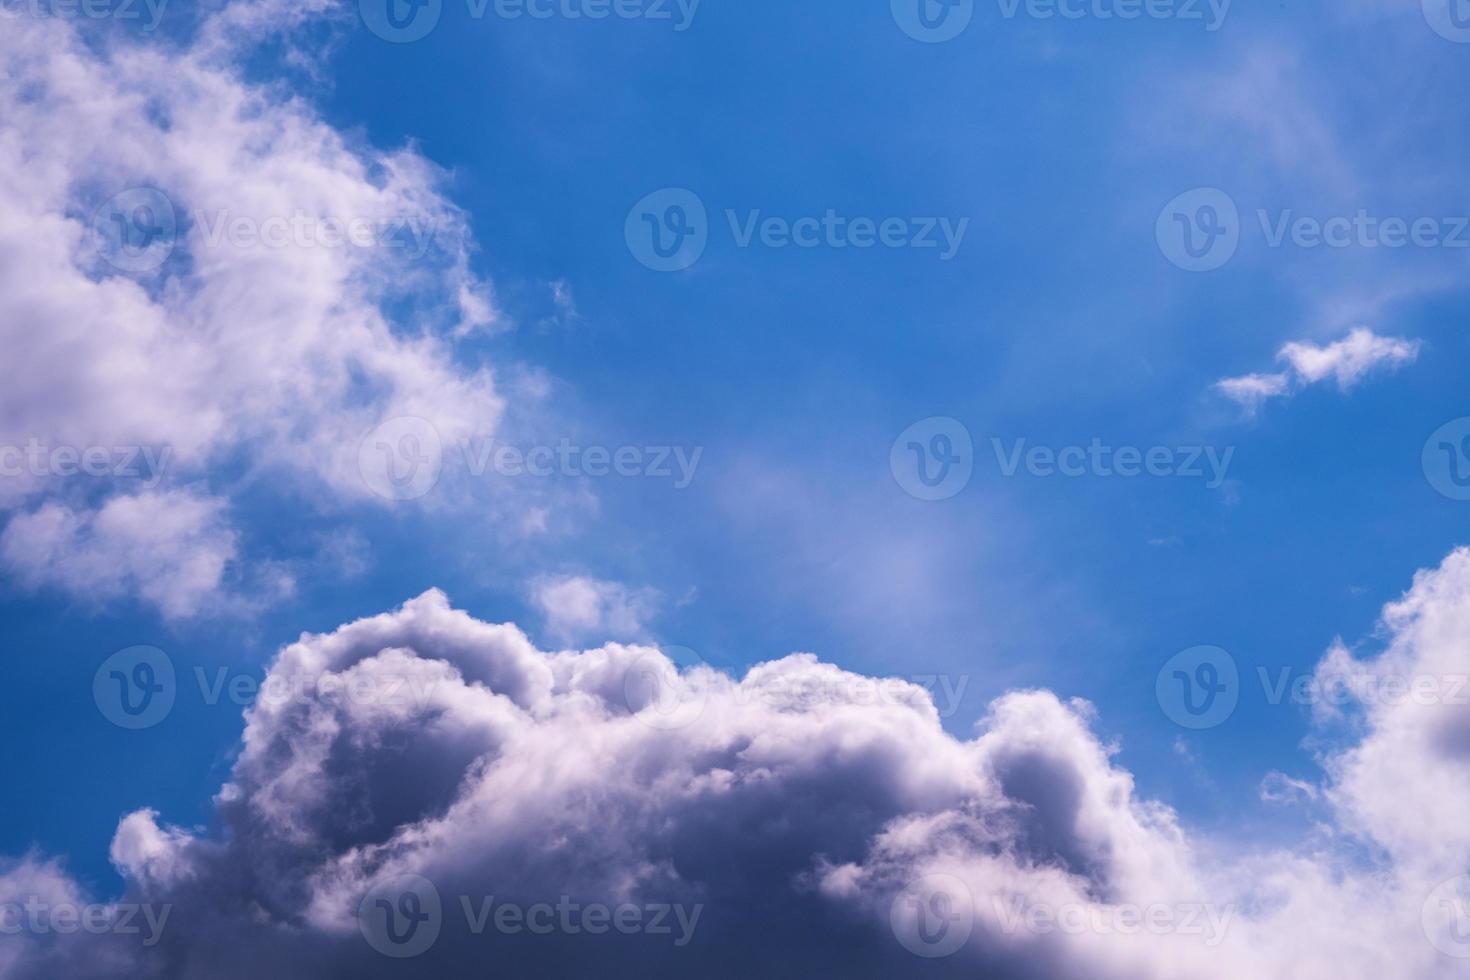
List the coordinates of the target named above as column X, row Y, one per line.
column 815, row 821
column 1348, row 360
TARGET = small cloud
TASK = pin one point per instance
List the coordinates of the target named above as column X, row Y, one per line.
column 1278, row 787
column 1182, row 749
column 1349, row 361
column 1252, row 390
column 563, row 307
column 577, row 607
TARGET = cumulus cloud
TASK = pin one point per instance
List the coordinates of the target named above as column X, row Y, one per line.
column 1348, row 361
column 198, row 265
column 171, row 548
column 432, row 756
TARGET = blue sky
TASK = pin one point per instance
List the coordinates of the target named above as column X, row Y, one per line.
column 1060, row 319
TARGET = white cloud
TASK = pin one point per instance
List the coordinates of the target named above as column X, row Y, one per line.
column 261, row 336
column 577, row 607
column 36, row 880
column 171, row 548
column 1348, row 360
column 1407, row 782
column 1278, row 787
column 1253, row 390
column 147, row 851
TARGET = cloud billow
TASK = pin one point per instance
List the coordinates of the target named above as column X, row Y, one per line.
column 796, row 834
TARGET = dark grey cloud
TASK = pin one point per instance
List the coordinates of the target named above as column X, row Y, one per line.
column 734, row 827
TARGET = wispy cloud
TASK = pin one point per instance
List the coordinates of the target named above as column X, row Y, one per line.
column 1348, row 361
